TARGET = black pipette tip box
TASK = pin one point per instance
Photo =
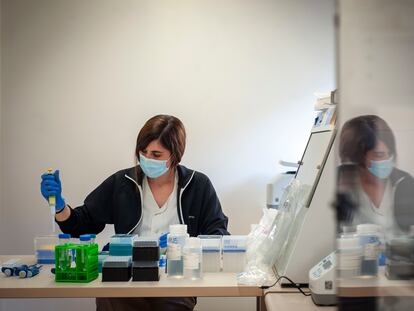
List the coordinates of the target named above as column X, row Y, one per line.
column 145, row 271
column 116, row 269
column 116, row 274
column 145, row 249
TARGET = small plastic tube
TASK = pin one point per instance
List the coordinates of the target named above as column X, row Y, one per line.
column 65, row 255
column 93, row 237
column 84, row 240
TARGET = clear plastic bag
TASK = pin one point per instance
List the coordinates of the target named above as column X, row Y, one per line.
column 260, row 231
column 266, row 243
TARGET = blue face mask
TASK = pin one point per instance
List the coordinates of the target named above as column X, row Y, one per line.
column 153, row 168
column 382, row 169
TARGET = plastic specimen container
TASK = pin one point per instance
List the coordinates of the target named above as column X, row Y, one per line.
column 211, row 247
column 44, row 246
column 176, row 241
column 192, row 255
column 234, row 253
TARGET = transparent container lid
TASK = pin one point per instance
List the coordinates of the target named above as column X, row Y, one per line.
column 234, row 243
column 46, row 242
column 122, row 238
column 210, row 242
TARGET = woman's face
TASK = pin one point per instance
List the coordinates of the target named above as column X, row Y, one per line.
column 156, row 151
column 379, row 153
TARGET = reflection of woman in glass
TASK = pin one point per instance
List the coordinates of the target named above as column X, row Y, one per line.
column 384, row 194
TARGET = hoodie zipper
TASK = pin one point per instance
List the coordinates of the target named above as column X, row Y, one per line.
column 179, row 201
column 140, row 192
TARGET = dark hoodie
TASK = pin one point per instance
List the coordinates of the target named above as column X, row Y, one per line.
column 118, row 201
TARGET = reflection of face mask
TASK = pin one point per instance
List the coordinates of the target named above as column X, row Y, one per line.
column 382, row 169
column 153, row 168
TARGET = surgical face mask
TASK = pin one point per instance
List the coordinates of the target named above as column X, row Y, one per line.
column 382, row 169
column 153, row 168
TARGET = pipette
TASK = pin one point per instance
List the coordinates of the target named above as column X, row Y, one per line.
column 52, row 204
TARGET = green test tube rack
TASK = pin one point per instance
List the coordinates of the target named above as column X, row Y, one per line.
column 83, row 269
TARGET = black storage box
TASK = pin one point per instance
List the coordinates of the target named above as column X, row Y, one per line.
column 145, row 249
column 145, row 271
column 116, row 269
column 111, row 274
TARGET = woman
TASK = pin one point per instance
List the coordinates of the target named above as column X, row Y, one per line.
column 381, row 193
column 145, row 200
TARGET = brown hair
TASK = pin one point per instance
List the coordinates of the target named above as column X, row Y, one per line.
column 361, row 134
column 169, row 130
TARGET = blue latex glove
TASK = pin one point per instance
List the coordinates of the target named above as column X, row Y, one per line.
column 51, row 185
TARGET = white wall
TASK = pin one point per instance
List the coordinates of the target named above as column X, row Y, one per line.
column 376, row 68
column 81, row 77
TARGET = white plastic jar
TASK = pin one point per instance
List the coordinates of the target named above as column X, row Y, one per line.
column 176, row 241
column 349, row 252
column 192, row 256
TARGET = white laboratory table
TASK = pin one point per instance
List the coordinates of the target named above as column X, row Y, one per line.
column 44, row 286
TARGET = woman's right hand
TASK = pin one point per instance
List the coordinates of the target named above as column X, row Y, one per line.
column 51, row 186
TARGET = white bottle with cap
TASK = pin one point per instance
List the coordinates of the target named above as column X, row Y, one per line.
column 175, row 245
column 348, row 256
column 192, row 258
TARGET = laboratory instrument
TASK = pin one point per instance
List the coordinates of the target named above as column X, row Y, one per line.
column 29, row 271
column 52, row 204
column 317, row 171
column 211, row 247
column 192, row 257
column 322, row 281
column 234, row 253
column 9, row 266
